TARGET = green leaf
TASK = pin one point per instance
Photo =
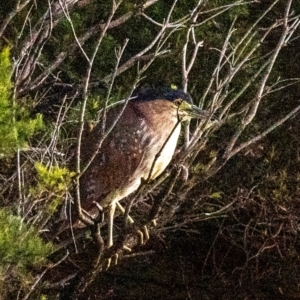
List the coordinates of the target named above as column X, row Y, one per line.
column 216, row 195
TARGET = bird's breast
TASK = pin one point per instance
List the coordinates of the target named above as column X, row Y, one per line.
column 163, row 154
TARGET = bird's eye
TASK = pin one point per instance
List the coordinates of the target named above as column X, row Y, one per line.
column 177, row 102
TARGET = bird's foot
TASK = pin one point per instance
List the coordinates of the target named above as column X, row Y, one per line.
column 114, row 258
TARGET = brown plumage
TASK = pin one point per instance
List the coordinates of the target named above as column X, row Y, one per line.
column 127, row 154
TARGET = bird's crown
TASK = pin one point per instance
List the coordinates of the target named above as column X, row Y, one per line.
column 148, row 94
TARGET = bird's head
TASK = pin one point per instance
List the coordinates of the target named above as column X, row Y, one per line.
column 187, row 111
column 182, row 102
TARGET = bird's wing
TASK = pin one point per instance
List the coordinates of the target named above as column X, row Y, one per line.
column 114, row 168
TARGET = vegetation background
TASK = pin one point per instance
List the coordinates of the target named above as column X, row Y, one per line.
column 228, row 206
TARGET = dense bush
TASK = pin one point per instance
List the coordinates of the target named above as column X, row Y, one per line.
column 235, row 216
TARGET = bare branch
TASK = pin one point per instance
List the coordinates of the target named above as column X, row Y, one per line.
column 81, row 216
column 265, row 132
column 93, row 31
column 255, row 102
column 18, row 7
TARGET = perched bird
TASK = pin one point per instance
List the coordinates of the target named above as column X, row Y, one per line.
column 139, row 147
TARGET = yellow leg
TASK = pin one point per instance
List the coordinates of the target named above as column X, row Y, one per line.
column 111, row 224
column 112, row 210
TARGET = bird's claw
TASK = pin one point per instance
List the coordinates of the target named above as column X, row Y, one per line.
column 153, row 222
column 143, row 234
column 127, row 248
column 114, row 258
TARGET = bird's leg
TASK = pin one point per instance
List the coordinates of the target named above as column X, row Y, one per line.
column 110, row 230
column 143, row 233
column 111, row 223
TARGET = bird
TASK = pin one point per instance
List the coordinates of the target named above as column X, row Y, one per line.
column 138, row 148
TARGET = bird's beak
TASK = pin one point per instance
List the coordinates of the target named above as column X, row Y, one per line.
column 188, row 111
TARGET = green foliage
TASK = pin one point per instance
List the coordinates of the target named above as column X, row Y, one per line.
column 280, row 190
column 20, row 245
column 20, row 249
column 5, row 72
column 54, row 178
column 52, row 183
column 15, row 124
